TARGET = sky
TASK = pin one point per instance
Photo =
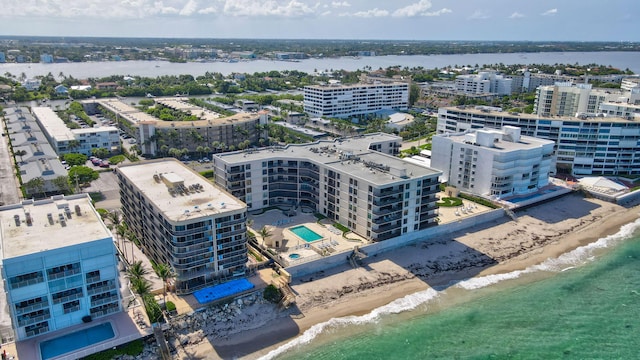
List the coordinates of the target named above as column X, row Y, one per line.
column 511, row 20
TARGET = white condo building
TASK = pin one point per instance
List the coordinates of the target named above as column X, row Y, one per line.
column 59, row 264
column 568, row 99
column 493, row 162
column 485, row 82
column 184, row 221
column 589, row 145
column 354, row 181
column 65, row 140
column 338, row 100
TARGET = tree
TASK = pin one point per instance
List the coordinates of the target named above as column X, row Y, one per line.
column 414, row 94
column 20, row 153
column 35, row 186
column 100, row 152
column 265, row 234
column 62, row 183
column 73, row 144
column 137, row 270
column 166, row 273
column 75, row 159
column 83, row 174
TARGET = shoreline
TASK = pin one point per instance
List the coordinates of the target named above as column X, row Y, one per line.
column 541, row 232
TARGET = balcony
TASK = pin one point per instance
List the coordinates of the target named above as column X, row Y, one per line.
column 28, row 320
column 32, row 308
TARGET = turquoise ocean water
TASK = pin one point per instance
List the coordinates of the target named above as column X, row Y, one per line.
column 583, row 305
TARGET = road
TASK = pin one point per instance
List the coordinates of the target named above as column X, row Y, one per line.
column 9, row 188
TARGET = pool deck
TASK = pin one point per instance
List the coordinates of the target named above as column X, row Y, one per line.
column 124, row 326
column 279, row 225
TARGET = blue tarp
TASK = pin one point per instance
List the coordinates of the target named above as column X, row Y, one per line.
column 222, row 291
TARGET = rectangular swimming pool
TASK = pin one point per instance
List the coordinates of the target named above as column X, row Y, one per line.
column 305, row 233
column 76, row 340
column 223, row 290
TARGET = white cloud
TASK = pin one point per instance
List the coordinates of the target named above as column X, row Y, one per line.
column 479, row 14
column 371, row 13
column 208, row 10
column 189, row 8
column 419, row 9
column 516, row 15
column 550, row 12
column 292, row 8
column 338, row 4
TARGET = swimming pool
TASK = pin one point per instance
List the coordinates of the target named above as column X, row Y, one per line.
column 294, row 256
column 223, row 290
column 76, row 340
column 305, row 233
column 530, row 197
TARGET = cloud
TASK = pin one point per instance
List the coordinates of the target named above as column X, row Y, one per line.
column 189, row 8
column 208, row 10
column 338, row 4
column 419, row 9
column 550, row 12
column 292, row 8
column 371, row 13
column 516, row 15
column 479, row 15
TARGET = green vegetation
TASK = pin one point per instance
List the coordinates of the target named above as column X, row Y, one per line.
column 479, row 200
column 114, row 160
column 207, row 173
column 319, row 216
column 96, row 196
column 208, row 106
column 74, row 159
column 272, row 293
column 83, row 174
column 170, row 306
column 255, row 255
column 449, row 202
column 168, row 114
column 133, row 348
column 341, row 227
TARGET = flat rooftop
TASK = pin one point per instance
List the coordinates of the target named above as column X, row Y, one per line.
column 46, row 233
column 347, row 155
column 501, row 145
column 505, row 114
column 355, row 86
column 176, row 206
column 53, row 125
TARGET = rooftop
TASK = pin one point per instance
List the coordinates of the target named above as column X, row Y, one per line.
column 350, row 155
column 34, row 226
column 489, row 111
column 161, row 181
column 56, row 128
column 355, row 86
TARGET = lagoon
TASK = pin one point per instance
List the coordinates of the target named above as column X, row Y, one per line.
column 618, row 59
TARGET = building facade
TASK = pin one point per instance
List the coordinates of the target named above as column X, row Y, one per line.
column 493, row 162
column 59, row 264
column 354, row 181
column 184, row 221
column 65, row 140
column 337, row 100
column 483, row 83
column 583, row 146
column 156, row 137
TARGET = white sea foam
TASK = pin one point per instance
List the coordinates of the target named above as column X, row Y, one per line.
column 579, row 256
column 565, row 261
column 406, row 303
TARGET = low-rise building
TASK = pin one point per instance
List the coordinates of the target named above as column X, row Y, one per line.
column 59, row 265
column 493, row 162
column 184, row 221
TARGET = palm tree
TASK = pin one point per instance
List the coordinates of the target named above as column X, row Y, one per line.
column 166, row 273
column 136, row 271
column 35, row 186
column 265, row 234
column 20, row 153
column 73, row 144
column 141, row 286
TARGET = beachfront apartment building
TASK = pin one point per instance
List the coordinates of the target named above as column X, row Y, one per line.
column 493, row 162
column 345, row 100
column 65, row 140
column 211, row 131
column 485, row 82
column 59, row 264
column 354, row 181
column 184, row 221
column 583, row 145
column 569, row 99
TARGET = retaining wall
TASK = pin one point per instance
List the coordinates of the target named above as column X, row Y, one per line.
column 379, row 247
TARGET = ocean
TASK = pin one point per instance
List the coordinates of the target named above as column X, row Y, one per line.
column 584, row 304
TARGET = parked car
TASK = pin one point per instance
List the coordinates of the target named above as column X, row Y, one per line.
column 104, row 164
column 96, row 161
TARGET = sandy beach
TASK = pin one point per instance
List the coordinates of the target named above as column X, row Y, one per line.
column 539, row 233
